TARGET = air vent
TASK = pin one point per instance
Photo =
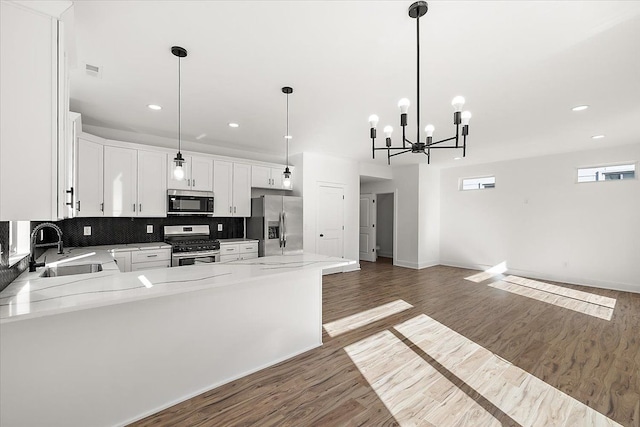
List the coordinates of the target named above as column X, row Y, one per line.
column 93, row 70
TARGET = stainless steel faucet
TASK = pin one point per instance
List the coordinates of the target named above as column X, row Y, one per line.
column 32, row 259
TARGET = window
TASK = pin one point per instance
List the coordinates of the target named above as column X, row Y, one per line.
column 18, row 240
column 478, row 183
column 606, row 173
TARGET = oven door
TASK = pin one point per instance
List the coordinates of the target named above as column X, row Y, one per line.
column 194, row 258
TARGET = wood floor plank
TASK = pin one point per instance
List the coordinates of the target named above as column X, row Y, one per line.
column 511, row 356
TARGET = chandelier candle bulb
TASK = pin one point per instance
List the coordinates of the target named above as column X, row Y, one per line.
column 416, row 11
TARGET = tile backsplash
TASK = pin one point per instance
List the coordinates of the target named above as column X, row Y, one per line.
column 109, row 231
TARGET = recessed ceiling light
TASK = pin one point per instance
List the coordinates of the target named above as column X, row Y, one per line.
column 457, row 158
column 288, row 137
column 597, row 137
column 154, row 107
column 580, row 107
column 233, row 125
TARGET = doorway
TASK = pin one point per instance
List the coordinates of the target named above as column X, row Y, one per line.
column 384, row 226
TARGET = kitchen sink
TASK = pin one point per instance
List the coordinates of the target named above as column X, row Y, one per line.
column 68, row 270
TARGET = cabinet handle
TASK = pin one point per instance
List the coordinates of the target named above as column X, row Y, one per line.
column 230, row 211
column 134, row 207
column 70, row 191
column 151, row 256
column 101, row 207
column 78, row 202
column 194, row 182
column 234, row 209
column 189, row 182
column 140, row 210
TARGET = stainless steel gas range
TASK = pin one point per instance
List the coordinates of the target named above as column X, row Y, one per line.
column 191, row 245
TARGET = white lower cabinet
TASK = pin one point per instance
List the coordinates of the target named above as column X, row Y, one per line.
column 142, row 259
column 234, row 251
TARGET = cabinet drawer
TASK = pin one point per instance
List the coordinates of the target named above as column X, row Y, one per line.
column 151, row 255
column 229, row 249
column 251, row 255
column 248, row 247
column 150, row 265
column 227, row 258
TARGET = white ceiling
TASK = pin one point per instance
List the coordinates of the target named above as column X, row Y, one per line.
column 521, row 65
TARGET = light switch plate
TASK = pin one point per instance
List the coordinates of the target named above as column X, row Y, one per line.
column 87, row 230
column 219, row 227
column 149, row 228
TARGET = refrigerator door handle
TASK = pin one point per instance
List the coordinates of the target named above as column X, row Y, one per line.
column 281, row 225
column 284, row 230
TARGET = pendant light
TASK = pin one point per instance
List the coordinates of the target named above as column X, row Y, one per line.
column 286, row 182
column 178, row 171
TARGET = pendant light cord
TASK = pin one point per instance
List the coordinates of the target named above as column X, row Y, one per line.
column 288, row 130
column 179, row 104
column 418, row 79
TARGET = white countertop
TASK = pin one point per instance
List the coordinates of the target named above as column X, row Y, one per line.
column 241, row 240
column 31, row 296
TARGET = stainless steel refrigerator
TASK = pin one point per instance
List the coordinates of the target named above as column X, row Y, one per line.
column 277, row 222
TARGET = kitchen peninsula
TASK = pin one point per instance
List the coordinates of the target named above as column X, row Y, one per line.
column 108, row 348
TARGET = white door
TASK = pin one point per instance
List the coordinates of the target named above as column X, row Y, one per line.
column 260, row 177
column 241, row 190
column 330, row 221
column 222, row 184
column 89, row 180
column 152, row 185
column 367, row 227
column 120, row 181
column 201, row 174
column 172, row 182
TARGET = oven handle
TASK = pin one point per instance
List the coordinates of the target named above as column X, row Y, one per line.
column 195, row 254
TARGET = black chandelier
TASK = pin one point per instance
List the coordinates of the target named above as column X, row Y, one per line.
column 416, row 10
column 286, row 181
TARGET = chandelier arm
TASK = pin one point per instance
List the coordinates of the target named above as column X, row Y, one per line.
column 418, row 77
column 428, row 154
column 373, row 147
column 392, row 148
column 444, row 146
column 442, row 140
column 401, row 152
column 464, row 145
column 457, row 133
column 404, row 138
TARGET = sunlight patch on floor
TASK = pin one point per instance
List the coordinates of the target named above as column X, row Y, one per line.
column 364, row 318
column 413, row 391
column 489, row 273
column 522, row 396
column 570, row 299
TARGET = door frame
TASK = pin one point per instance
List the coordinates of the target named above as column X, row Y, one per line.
column 318, row 207
column 372, row 230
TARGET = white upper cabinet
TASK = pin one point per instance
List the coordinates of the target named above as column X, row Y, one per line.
column 120, row 181
column 89, row 176
column 152, row 186
column 232, row 189
column 241, row 190
column 222, row 188
column 198, row 174
column 29, row 113
column 201, row 173
column 267, row 177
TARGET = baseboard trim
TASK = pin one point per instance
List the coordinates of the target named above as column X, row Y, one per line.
column 385, row 254
column 216, row 385
column 594, row 283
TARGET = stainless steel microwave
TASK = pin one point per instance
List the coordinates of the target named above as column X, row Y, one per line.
column 183, row 202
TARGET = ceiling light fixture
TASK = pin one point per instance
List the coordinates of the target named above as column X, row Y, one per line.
column 178, row 171
column 597, row 137
column 154, row 107
column 286, row 182
column 233, row 125
column 580, row 108
column 416, row 10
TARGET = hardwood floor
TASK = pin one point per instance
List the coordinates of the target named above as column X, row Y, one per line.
column 449, row 352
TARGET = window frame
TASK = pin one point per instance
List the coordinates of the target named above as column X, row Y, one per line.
column 461, row 183
column 608, row 165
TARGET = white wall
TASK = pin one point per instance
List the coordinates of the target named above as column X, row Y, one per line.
column 314, row 169
column 405, row 185
column 384, row 224
column 543, row 223
column 429, row 213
